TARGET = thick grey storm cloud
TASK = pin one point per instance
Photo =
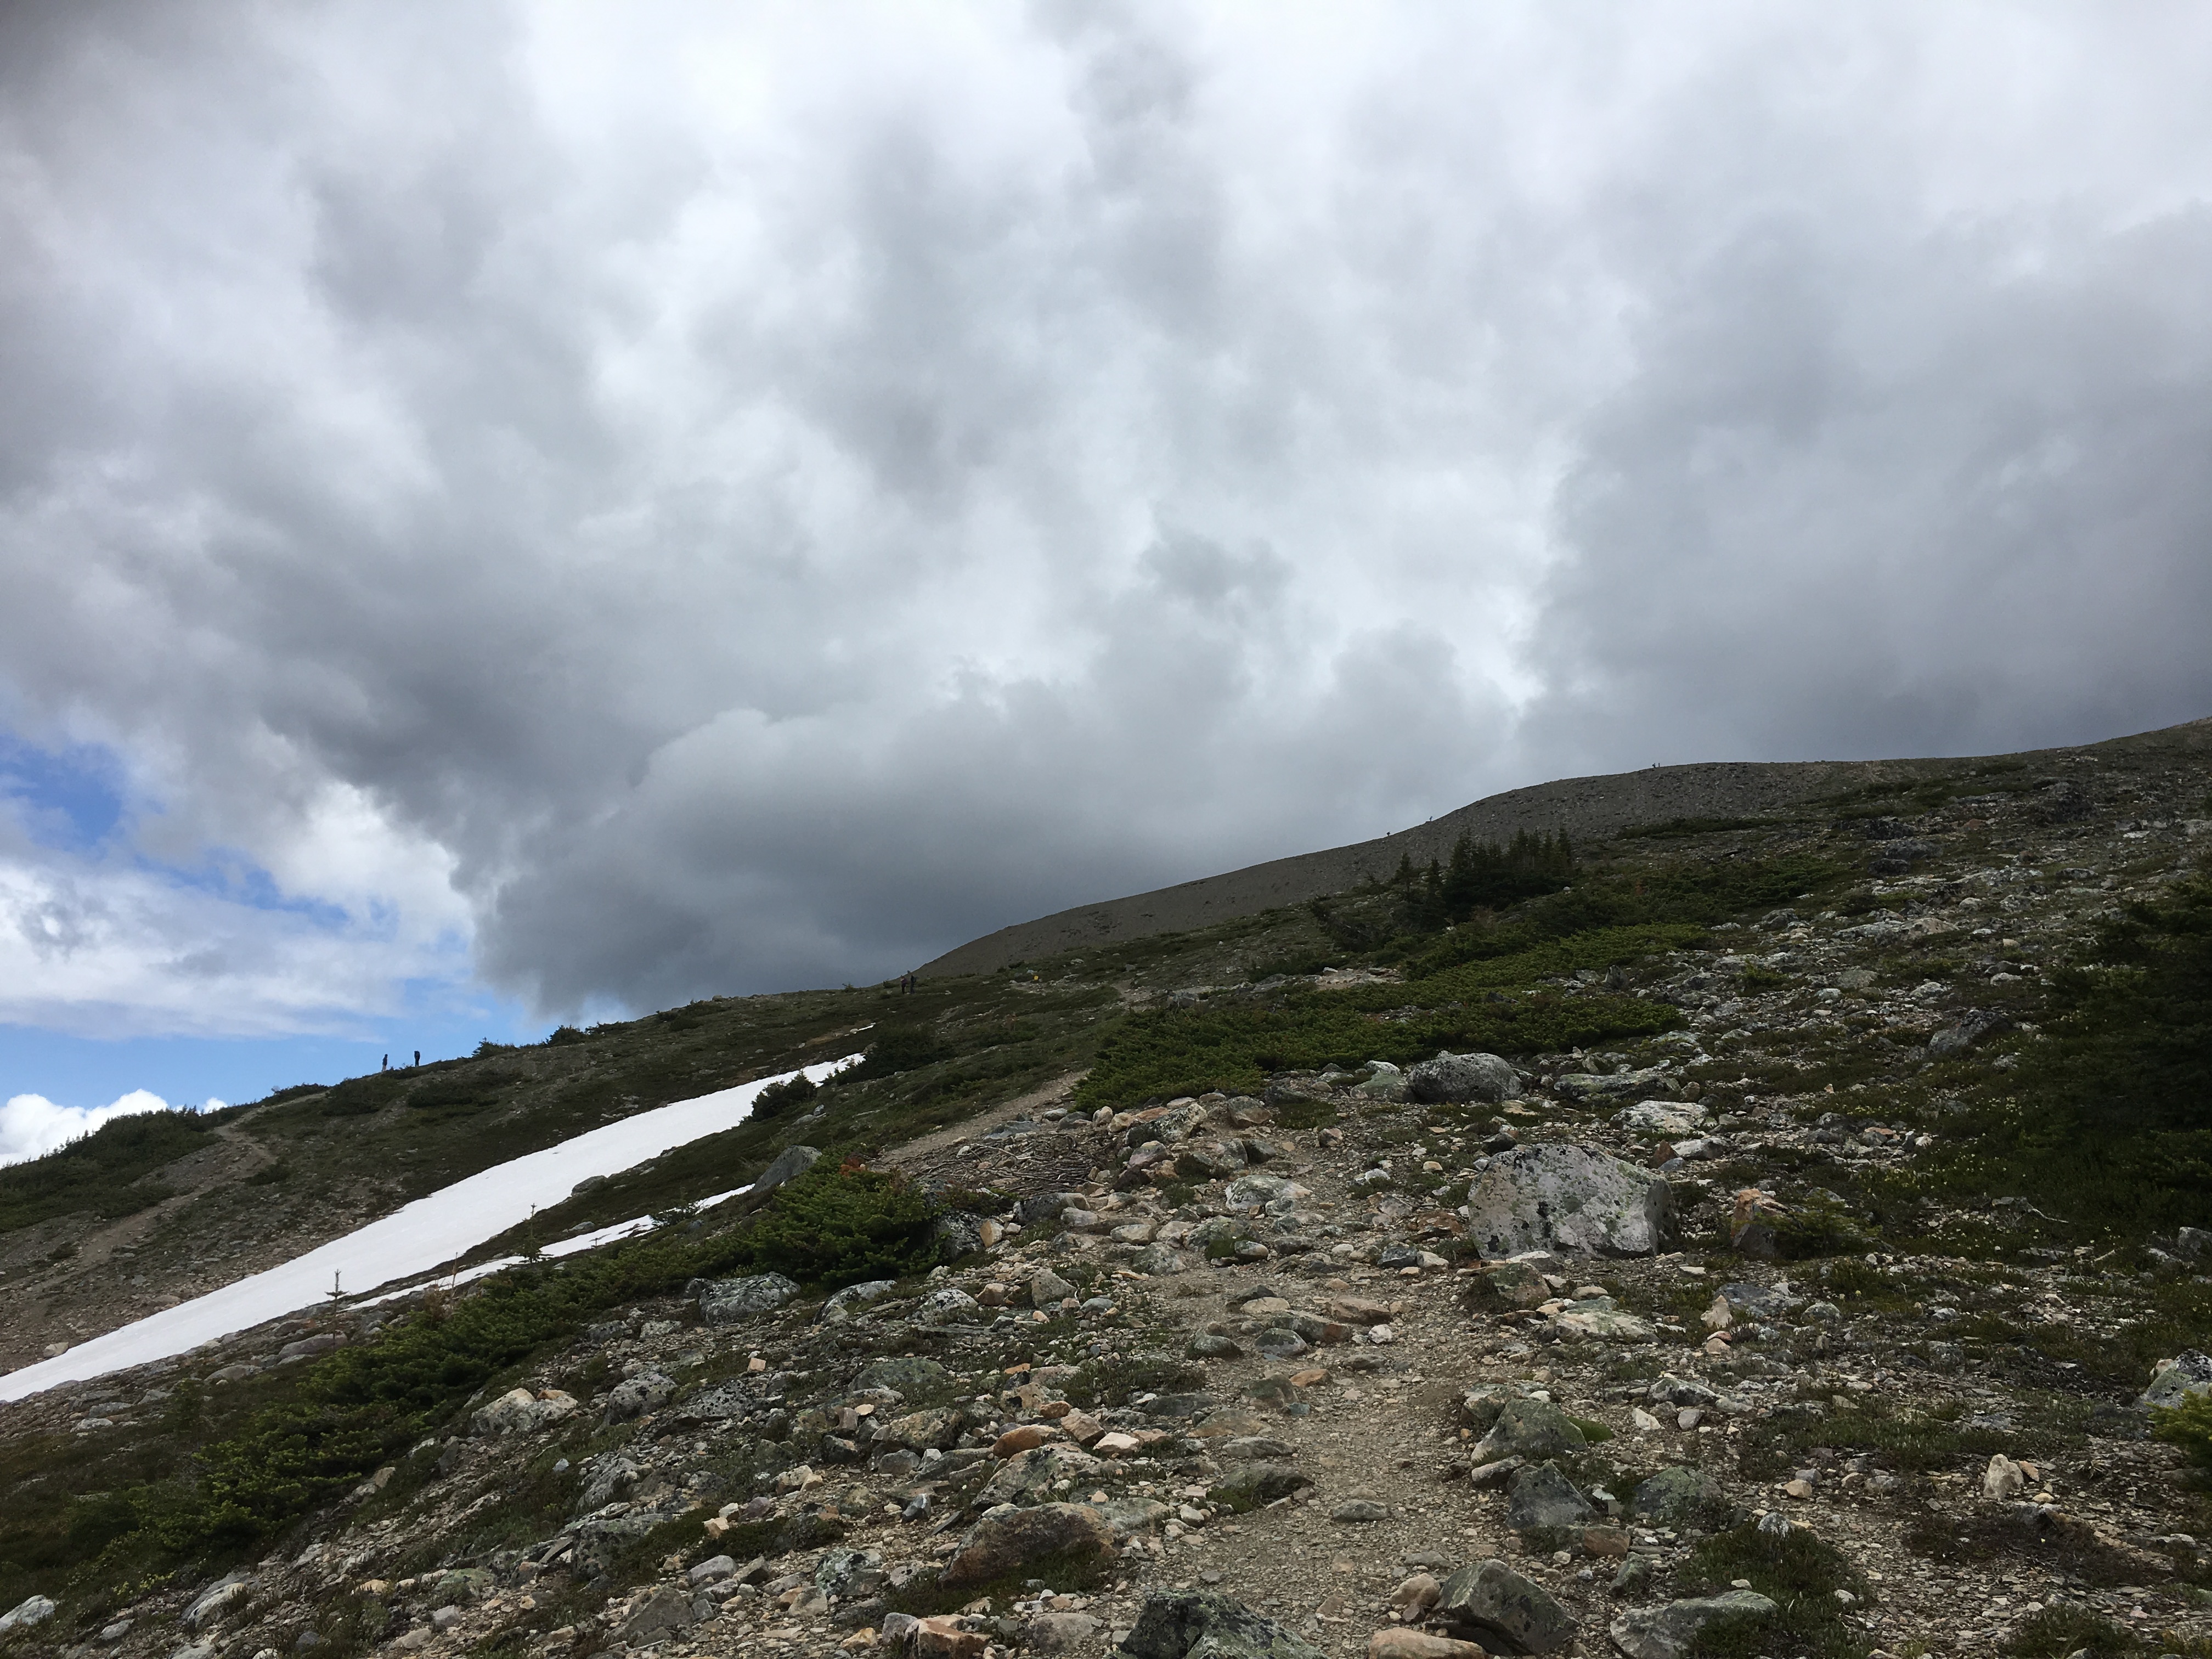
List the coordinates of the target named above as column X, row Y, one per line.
column 635, row 502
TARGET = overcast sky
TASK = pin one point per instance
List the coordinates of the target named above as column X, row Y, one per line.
column 551, row 510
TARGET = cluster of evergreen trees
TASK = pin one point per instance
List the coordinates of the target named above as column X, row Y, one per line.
column 1484, row 876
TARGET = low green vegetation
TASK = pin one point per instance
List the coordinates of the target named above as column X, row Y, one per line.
column 838, row 1224
column 1233, row 1048
column 2188, row 1426
column 2104, row 1117
column 109, row 1172
column 223, row 1483
column 1800, row 1573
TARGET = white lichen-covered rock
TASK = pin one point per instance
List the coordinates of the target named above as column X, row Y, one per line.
column 850, row 1300
column 1597, row 1317
column 1670, row 1119
column 520, row 1412
column 733, row 1301
column 1247, row 1190
column 1570, row 1198
column 947, row 1307
column 2192, row 1373
column 215, row 1603
column 35, row 1610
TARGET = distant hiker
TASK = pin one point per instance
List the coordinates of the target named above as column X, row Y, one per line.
column 387, row 1062
column 418, row 1057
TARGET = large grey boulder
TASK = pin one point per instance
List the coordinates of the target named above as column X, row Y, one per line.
column 1491, row 1603
column 1451, row 1077
column 1530, row 1429
column 1570, row 1198
column 1667, row 1632
column 1007, row 1538
column 1542, row 1497
column 789, row 1163
column 2190, row 1373
column 955, row 1234
column 1201, row 1624
column 733, row 1301
column 1681, row 1497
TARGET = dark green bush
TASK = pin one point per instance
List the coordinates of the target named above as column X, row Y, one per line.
column 837, row 1225
column 2188, row 1426
column 901, row 1049
column 1817, row 1225
column 780, row 1098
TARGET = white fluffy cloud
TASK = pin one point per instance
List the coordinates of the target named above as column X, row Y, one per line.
column 32, row 1125
column 640, row 502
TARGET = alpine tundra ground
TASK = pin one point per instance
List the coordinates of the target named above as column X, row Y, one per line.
column 1799, row 1260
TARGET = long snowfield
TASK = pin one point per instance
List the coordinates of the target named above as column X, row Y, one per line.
column 426, row 1234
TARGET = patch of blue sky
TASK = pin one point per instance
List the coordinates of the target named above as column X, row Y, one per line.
column 231, row 876
column 70, row 798
column 80, row 1073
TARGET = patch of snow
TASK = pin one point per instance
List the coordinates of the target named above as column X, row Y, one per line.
column 408, row 1242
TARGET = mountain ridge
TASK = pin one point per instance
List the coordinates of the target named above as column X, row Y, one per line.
column 1601, row 803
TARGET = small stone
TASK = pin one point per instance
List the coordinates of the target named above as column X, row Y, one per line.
column 1358, row 1510
column 1059, row 1632
column 1800, row 1488
column 1398, row 1642
column 1026, row 1437
column 1414, row 1597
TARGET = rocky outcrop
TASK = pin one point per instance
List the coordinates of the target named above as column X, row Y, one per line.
column 1571, row 1198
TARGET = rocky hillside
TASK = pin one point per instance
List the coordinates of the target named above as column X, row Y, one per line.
column 1794, row 1249
column 1710, row 793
